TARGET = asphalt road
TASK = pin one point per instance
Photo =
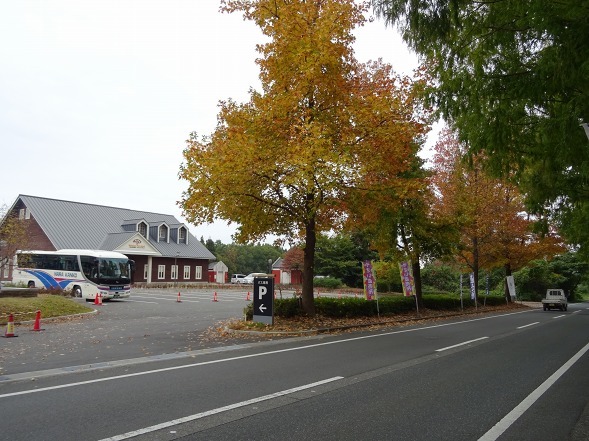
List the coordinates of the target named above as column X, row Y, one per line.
column 518, row 376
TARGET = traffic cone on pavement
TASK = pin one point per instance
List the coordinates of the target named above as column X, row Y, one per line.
column 247, row 298
column 215, row 297
column 37, row 325
column 10, row 327
column 98, row 299
column 178, row 299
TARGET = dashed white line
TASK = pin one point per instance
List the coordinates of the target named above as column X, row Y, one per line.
column 525, row 326
column 460, row 344
column 216, row 411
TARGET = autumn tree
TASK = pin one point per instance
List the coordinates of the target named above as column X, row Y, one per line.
column 13, row 237
column 495, row 230
column 512, row 78
column 323, row 128
column 402, row 225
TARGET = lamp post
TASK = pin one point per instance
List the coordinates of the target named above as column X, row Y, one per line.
column 269, row 266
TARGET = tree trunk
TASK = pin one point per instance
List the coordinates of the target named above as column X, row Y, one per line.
column 417, row 281
column 507, row 273
column 309, row 269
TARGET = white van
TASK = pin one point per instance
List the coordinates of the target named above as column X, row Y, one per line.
column 237, row 278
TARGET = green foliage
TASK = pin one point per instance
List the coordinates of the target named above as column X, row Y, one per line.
column 512, row 78
column 348, row 307
column 565, row 272
column 339, row 257
column 441, row 277
column 327, row 282
column 246, row 259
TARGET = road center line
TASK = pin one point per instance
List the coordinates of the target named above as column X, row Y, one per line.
column 525, row 326
column 460, row 344
column 498, row 429
column 216, row 411
column 559, row 316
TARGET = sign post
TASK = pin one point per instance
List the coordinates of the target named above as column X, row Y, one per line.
column 264, row 300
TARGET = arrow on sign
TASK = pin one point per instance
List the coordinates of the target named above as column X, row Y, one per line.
column 262, row 308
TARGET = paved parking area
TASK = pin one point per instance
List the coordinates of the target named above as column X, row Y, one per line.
column 150, row 322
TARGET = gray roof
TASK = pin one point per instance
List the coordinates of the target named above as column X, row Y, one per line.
column 77, row 225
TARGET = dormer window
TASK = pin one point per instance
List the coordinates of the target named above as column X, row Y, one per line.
column 163, row 233
column 142, row 229
column 181, row 235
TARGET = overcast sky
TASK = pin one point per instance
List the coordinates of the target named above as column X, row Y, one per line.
column 99, row 96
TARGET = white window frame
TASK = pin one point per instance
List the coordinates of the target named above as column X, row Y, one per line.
column 145, row 226
column 145, row 271
column 186, row 272
column 161, row 272
column 174, row 272
column 198, row 272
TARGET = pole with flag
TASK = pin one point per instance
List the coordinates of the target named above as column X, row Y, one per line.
column 407, row 281
column 369, row 277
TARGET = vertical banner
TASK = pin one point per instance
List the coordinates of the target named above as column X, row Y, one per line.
column 407, row 278
column 511, row 286
column 369, row 280
column 473, row 291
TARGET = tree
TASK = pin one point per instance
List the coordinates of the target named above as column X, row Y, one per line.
column 402, row 226
column 340, row 257
column 14, row 236
column 323, row 129
column 494, row 228
column 513, row 79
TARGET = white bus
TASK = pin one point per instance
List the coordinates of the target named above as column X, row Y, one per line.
column 83, row 272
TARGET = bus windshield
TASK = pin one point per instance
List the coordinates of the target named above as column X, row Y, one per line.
column 106, row 270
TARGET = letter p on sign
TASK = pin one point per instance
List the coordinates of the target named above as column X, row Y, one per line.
column 263, row 291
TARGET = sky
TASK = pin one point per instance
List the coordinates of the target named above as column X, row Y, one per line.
column 99, row 96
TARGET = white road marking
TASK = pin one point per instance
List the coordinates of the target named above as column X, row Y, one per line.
column 216, row 411
column 460, row 344
column 242, row 357
column 141, row 301
column 498, row 429
column 559, row 316
column 525, row 326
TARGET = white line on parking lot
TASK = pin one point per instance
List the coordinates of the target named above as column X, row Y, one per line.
column 559, row 316
column 167, row 299
column 140, row 301
column 216, row 411
column 525, row 326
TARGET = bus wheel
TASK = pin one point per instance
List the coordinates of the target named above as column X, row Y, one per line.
column 31, row 284
column 77, row 291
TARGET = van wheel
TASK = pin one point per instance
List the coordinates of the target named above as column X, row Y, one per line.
column 31, row 284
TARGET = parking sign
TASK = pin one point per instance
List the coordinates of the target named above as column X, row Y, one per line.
column 264, row 300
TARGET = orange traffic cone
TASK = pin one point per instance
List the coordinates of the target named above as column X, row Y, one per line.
column 98, row 299
column 247, row 298
column 178, row 299
column 10, row 327
column 37, row 326
column 215, row 297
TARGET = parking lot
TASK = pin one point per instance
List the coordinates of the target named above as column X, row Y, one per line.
column 149, row 323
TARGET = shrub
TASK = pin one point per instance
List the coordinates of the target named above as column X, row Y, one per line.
column 327, row 282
